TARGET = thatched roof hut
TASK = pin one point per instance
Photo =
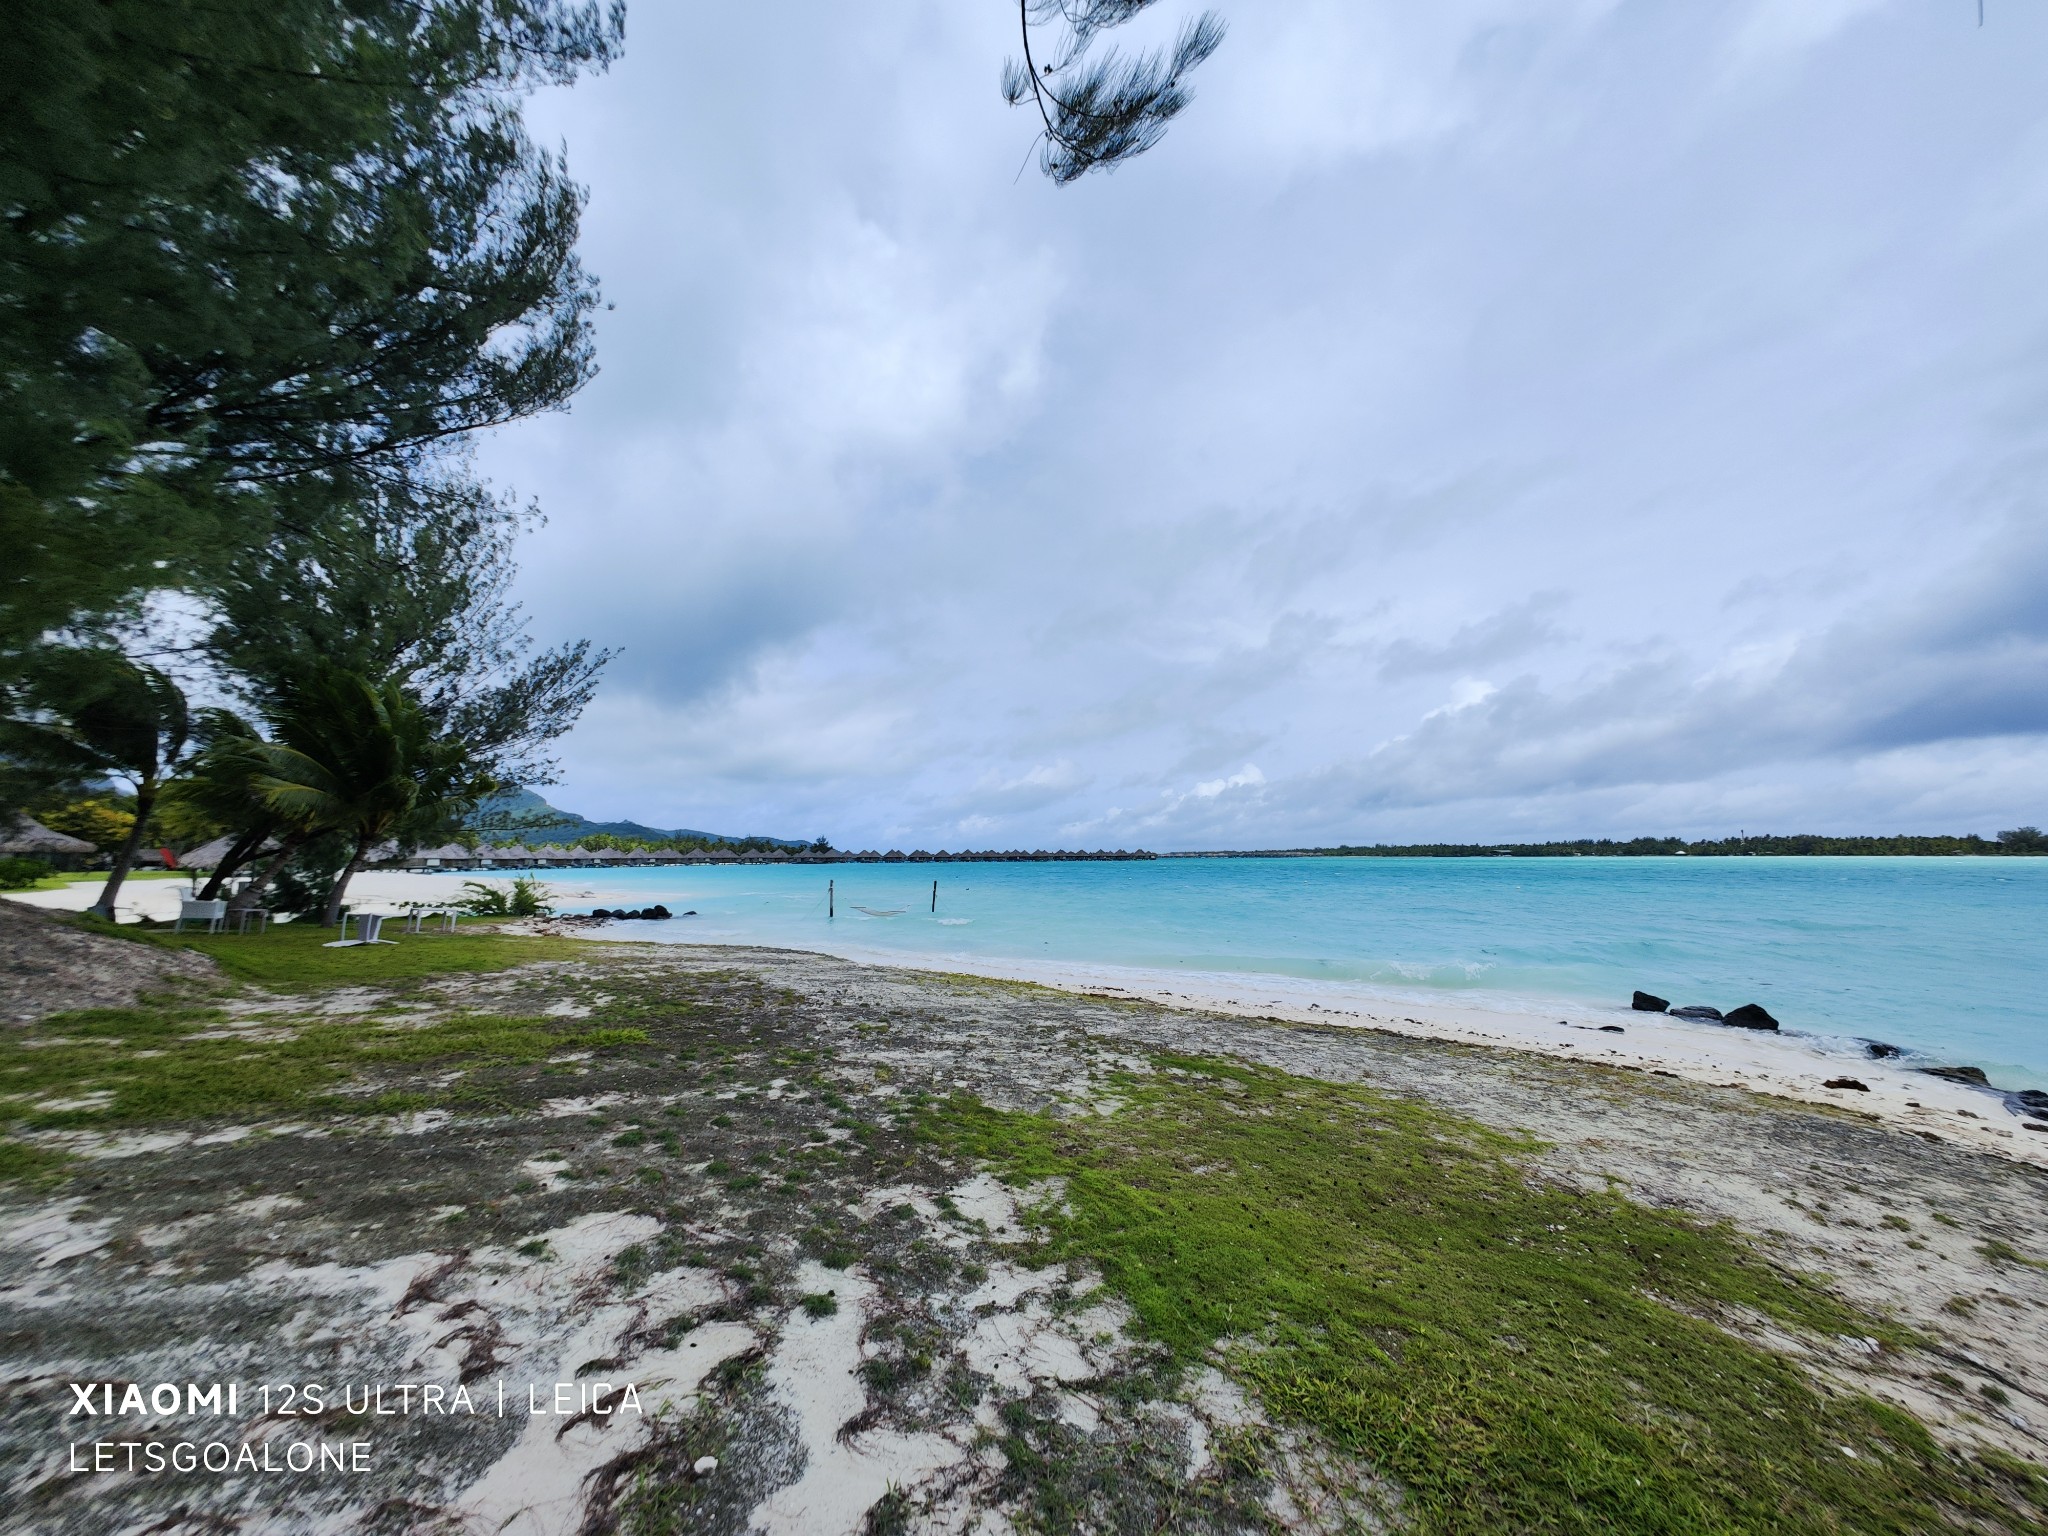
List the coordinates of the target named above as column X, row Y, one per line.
column 209, row 855
column 28, row 839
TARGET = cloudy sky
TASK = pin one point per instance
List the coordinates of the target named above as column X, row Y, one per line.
column 1480, row 419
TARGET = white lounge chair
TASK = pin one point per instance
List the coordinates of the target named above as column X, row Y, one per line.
column 368, row 926
column 212, row 913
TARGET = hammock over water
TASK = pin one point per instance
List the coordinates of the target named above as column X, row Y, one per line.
column 883, row 911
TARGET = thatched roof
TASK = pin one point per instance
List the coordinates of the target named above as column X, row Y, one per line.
column 209, row 855
column 32, row 837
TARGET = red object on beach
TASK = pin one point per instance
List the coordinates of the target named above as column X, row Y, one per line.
column 170, row 858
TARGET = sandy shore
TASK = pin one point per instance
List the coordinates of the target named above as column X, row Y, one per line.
column 1895, row 1093
column 511, row 1237
column 156, row 900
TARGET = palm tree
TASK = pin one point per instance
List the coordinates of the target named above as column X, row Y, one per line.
column 91, row 711
column 364, row 758
column 220, row 784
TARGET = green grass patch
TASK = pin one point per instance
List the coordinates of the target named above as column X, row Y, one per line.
column 1520, row 1357
column 294, row 955
column 130, row 1066
column 22, row 1163
column 1997, row 1252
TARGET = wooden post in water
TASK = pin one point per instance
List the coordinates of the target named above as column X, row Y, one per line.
column 935, row 895
column 828, row 896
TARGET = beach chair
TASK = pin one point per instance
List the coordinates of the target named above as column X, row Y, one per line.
column 368, row 926
column 212, row 913
column 259, row 915
column 417, row 919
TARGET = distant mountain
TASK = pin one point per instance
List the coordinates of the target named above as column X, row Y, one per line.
column 525, row 806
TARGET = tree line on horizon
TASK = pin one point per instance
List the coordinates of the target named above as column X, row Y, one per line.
column 264, row 268
column 2017, row 840
column 613, row 842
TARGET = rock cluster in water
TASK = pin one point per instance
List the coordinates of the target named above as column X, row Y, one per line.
column 656, row 913
column 2030, row 1104
column 2024, row 1102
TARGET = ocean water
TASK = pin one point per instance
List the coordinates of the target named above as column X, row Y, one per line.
column 1948, row 957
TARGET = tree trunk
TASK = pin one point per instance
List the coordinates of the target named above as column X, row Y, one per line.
column 348, row 870
column 242, row 852
column 145, row 802
column 246, row 898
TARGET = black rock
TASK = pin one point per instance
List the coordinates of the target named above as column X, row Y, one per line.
column 1645, row 1002
column 1971, row 1075
column 1612, row 1029
column 2033, row 1098
column 1846, row 1082
column 1878, row 1050
column 1751, row 1016
column 601, row 912
column 691, row 913
column 1697, row 1011
column 660, row 913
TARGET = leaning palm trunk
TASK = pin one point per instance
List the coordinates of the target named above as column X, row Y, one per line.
column 348, row 871
column 244, row 849
column 145, row 802
column 246, row 898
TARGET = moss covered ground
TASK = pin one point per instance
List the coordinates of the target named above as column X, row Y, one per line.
column 180, row 1059
column 1505, row 1351
column 1517, row 1356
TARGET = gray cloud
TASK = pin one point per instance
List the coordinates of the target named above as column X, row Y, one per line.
column 1505, row 636
column 1510, row 415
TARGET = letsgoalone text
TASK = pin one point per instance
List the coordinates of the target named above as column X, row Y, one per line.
column 157, row 1453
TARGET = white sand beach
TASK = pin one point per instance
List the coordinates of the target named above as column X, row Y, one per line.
column 1789, row 1066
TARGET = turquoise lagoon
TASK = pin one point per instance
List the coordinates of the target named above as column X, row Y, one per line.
column 1946, row 957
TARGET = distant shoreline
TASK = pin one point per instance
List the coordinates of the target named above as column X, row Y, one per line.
column 2022, row 842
